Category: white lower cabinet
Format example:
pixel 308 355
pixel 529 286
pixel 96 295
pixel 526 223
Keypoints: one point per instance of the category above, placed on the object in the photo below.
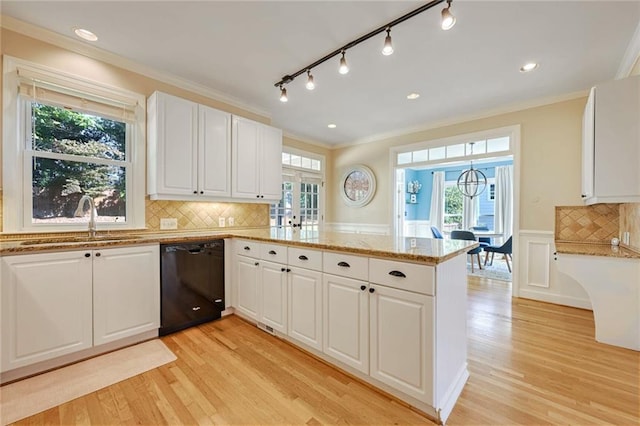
pixel 346 321
pixel 46 306
pixel 272 295
pixel 401 346
pixel 305 306
pixel 55 304
pixel 126 295
pixel 246 286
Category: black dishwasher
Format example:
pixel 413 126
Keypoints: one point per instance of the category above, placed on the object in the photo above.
pixel 192 284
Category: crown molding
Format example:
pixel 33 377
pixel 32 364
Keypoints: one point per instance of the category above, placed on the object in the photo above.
pixel 303 139
pixel 520 106
pixel 631 55
pixel 83 48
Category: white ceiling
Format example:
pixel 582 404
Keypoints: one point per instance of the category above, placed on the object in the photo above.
pixel 242 48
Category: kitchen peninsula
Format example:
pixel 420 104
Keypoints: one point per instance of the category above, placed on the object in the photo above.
pixel 389 311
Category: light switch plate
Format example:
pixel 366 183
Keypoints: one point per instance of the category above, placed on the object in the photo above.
pixel 221 221
pixel 230 221
pixel 168 223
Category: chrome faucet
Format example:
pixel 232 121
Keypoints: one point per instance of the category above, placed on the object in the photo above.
pixel 92 216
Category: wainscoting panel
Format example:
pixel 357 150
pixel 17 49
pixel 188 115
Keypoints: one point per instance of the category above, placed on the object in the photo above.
pixel 358 228
pixel 539 278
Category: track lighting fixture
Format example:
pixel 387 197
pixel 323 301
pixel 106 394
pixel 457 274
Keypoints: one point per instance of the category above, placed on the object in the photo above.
pixel 310 84
pixel 388 46
pixel 448 21
pixel 344 68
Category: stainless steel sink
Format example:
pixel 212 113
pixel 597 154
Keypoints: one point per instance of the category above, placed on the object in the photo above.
pixel 78 239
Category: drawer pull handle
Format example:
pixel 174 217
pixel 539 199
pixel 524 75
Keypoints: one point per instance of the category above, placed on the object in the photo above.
pixel 363 287
pixel 303 257
pixel 256 264
pixel 247 248
pixel 283 269
pixel 272 252
pixel 344 264
pixel 397 274
pixel 195 308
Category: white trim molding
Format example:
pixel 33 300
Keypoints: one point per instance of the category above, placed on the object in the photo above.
pixel 358 228
pixel 631 55
pixel 539 278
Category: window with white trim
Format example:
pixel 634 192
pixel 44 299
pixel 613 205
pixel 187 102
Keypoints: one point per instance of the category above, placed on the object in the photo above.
pixel 73 138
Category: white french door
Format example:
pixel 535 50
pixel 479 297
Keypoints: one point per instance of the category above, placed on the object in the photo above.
pixel 299 209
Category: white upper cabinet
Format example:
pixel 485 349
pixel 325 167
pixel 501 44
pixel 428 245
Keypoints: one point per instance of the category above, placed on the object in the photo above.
pixel 611 143
pixel 188 149
pixel 257 161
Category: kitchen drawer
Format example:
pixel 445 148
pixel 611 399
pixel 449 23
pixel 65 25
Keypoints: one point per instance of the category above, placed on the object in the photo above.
pixel 247 248
pixel 346 265
pixel 273 252
pixel 403 276
pixel 305 258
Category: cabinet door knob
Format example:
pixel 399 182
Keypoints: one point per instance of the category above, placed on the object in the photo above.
pixel 256 264
pixel 363 287
pixel 87 255
pixel 371 290
pixel 283 269
pixel 398 274
pixel 195 192
pixel 344 264
pixel 288 270
pixel 202 192
pixel 262 196
pixel 257 196
pixel 98 254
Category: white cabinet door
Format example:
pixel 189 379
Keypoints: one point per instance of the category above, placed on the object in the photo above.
pixel 173 143
pixel 588 147
pixel 346 321
pixel 270 163
pixel 46 306
pixel 402 325
pixel 257 160
pixel 214 152
pixel 126 292
pixel 305 306
pixel 246 286
pixel 245 172
pixel 272 295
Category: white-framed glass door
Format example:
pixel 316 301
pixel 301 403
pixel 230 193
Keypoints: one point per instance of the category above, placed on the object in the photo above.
pixel 299 210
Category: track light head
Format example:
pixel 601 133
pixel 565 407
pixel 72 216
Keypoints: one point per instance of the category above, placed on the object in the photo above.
pixel 448 20
pixel 388 46
pixel 344 68
pixel 283 94
pixel 310 83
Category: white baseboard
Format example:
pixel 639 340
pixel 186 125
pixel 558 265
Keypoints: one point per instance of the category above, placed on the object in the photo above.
pixel 558 299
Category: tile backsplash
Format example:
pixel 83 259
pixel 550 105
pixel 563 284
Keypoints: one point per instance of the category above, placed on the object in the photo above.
pixel 598 223
pixel 193 215
pixel 630 222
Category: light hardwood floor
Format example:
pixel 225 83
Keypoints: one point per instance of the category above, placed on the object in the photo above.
pixel 530 363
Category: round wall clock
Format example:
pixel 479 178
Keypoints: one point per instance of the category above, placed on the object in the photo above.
pixel 358 186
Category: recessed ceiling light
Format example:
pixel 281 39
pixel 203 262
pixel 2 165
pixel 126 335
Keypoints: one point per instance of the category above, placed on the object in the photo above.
pixel 413 96
pixel 85 34
pixel 331 126
pixel 528 67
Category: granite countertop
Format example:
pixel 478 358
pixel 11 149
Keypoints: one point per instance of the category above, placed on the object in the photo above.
pixel 426 250
pixel 595 249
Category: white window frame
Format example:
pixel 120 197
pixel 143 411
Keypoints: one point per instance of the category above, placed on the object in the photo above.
pixel 16 175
